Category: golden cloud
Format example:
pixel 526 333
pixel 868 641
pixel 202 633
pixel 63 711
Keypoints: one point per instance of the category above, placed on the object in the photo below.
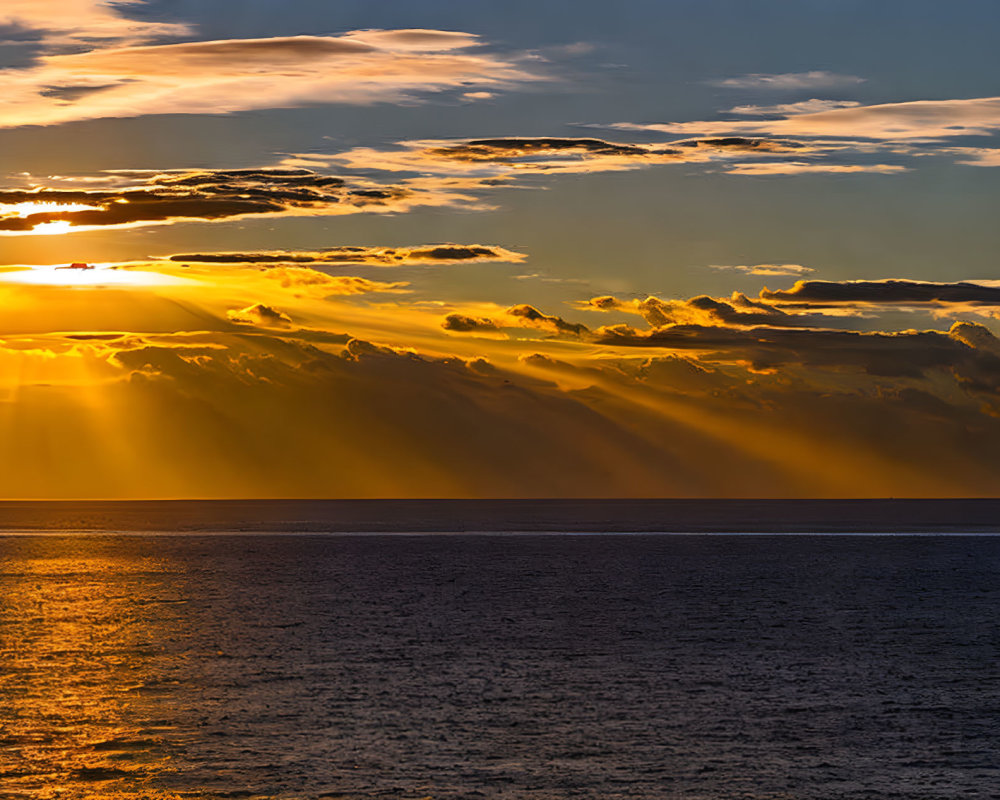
pixel 224 76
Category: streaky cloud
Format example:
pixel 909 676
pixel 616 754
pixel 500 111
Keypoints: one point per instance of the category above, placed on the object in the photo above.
pixel 814 79
pixel 379 256
pixel 231 75
pixel 911 120
pixel 765 269
pixel 143 197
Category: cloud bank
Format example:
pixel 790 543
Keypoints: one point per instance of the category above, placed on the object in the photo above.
pixel 282 381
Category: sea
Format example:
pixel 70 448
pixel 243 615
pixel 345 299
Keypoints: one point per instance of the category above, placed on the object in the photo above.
pixel 217 651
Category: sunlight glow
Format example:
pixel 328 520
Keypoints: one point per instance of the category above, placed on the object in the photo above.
pixel 26 209
pixel 89 276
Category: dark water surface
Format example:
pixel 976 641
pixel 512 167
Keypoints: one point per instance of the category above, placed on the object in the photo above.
pixel 522 666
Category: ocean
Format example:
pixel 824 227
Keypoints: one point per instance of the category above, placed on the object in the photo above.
pixel 499 665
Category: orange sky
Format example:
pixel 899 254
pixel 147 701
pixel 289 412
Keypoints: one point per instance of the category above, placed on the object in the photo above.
pixel 411 310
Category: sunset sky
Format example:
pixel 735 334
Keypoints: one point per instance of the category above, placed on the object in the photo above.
pixel 444 248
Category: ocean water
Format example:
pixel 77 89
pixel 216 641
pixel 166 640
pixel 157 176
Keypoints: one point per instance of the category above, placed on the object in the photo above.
pixel 508 666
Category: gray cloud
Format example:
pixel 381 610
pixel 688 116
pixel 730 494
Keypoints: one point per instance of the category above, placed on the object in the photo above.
pixel 820 294
pixel 368 255
pixel 529 315
pixel 205 195
pixel 905 353
pixel 462 323
pixel 815 79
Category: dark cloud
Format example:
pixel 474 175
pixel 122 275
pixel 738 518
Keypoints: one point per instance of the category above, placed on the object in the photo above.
pixel 196 195
pixel 518 147
pixel 905 353
pixel 461 323
pixel 605 303
pixel 14 33
pixel 534 318
pixel 371 255
pixel 254 410
pixel 743 144
pixel 883 292
pixel 740 310
pixel 260 314
pixel 70 93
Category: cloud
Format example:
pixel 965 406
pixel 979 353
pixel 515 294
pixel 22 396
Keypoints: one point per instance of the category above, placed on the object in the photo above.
pixel 529 316
pixel 804 167
pixel 790 109
pixel 462 323
pixel 315 282
pixel 811 304
pixel 368 255
pixel 815 79
pixel 977 156
pixel 57 24
pixel 605 302
pixel 917 119
pixel 224 76
pixel 764 269
pixel 905 353
pixel 511 157
pixel 738 310
pixel 138 198
pixel 263 382
pixel 260 314
pixel 889 292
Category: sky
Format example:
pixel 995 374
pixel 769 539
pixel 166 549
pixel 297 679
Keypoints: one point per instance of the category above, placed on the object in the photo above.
pixel 665 248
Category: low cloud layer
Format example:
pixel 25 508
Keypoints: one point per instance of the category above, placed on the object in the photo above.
pixel 283 380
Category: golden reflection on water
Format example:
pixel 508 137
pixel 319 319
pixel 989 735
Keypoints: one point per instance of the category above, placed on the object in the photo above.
pixel 82 710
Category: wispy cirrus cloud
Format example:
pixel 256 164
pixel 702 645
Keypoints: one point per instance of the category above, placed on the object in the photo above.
pixel 977 156
pixel 764 269
pixel 811 167
pixel 61 24
pixel 230 75
pixel 917 119
pixel 788 109
pixel 814 79
pixel 848 130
